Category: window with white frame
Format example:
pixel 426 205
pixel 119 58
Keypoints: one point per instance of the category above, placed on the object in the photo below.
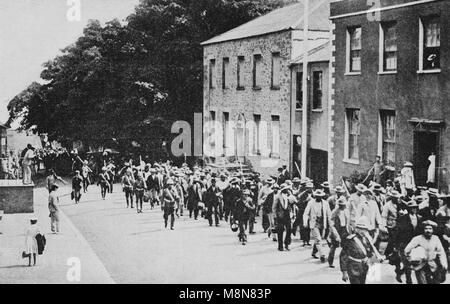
pixel 225 72
pixel 275 142
pixel 353 132
pixel 227 133
pixel 257 71
pixel 212 73
pixel 387 123
pixel 276 70
pixel 430 43
pixel 354 49
pixel 256 134
pixel 389 48
pixel 240 72
pixel 212 117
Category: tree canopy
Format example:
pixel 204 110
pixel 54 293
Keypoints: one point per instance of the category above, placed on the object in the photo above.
pixel 129 82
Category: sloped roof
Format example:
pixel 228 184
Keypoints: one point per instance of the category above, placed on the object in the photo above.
pixel 318 50
pixel 285 18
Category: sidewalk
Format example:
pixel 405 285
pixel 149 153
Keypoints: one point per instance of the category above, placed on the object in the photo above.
pixel 54 265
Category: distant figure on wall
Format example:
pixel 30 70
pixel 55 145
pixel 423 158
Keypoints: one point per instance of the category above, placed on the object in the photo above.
pixel 431 173
pixel 26 164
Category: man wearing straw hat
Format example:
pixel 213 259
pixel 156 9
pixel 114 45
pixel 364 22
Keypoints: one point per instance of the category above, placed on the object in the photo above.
pixel 389 217
pixel 317 217
pixel 339 192
pixel 268 210
pixel 170 199
pixel 427 267
pixel 355 254
pixel 282 216
pixel 339 227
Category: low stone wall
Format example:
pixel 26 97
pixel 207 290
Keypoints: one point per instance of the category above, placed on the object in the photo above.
pixel 15 197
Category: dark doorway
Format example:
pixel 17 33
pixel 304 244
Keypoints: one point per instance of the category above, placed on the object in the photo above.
pixel 425 142
pixel 318 166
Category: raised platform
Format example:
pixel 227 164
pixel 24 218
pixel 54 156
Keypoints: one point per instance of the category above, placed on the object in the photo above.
pixel 15 197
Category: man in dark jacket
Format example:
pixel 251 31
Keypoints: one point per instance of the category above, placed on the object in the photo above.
pixel 408 226
pixel 212 202
pixel 281 213
pixel 241 214
pixel 230 196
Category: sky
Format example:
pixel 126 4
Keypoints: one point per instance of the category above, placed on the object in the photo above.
pixel 33 32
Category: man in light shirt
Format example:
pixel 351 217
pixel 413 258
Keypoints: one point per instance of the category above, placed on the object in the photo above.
pixel 427 267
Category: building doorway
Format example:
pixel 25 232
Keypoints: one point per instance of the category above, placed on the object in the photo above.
pixel 297 156
pixel 318 165
pixel 425 143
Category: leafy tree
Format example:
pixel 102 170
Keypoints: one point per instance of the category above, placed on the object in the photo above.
pixel 127 83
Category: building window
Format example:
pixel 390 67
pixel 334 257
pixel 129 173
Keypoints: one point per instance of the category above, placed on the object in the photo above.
pixel 240 72
pixel 299 91
pixel 226 133
pixel 225 72
pixel 317 90
pixel 276 70
pixel 212 73
pixel 353 132
pixel 388 135
pixel 275 142
pixel 430 43
pixel 389 44
pixel 354 49
pixel 256 134
pixel 257 72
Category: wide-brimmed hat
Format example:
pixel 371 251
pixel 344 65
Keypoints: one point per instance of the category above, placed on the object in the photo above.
pixel 339 189
pixel 269 181
pixel 412 204
pixel 319 193
pixel 361 187
pixel 408 164
pixel 363 223
pixel 429 223
pixel 341 201
pixel 285 187
pixel 394 193
pixel 234 180
pixel 368 191
pixel 304 181
pixel 296 180
pixel 169 182
pixel 309 185
pixel 433 191
pixel 325 185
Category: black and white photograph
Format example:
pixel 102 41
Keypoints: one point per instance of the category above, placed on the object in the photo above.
pixel 247 143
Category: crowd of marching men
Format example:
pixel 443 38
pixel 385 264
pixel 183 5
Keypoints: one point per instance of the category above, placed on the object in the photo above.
pixel 414 224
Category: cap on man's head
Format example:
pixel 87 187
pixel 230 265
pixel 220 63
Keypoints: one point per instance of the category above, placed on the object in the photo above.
pixel 429 223
pixel 361 188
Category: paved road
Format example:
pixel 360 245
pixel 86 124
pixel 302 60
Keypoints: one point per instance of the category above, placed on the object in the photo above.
pixel 135 248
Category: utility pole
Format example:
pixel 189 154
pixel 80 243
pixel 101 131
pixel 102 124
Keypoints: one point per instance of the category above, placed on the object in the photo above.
pixel 304 147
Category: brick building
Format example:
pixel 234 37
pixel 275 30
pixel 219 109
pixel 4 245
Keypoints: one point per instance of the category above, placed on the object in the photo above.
pixel 391 69
pixel 248 85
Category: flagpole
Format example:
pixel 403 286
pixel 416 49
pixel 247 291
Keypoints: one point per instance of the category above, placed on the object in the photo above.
pixel 304 147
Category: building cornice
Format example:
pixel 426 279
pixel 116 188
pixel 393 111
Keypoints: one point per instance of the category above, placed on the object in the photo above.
pixel 386 8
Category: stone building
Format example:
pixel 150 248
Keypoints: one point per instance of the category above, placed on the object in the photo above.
pixel 391 69
pixel 248 86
